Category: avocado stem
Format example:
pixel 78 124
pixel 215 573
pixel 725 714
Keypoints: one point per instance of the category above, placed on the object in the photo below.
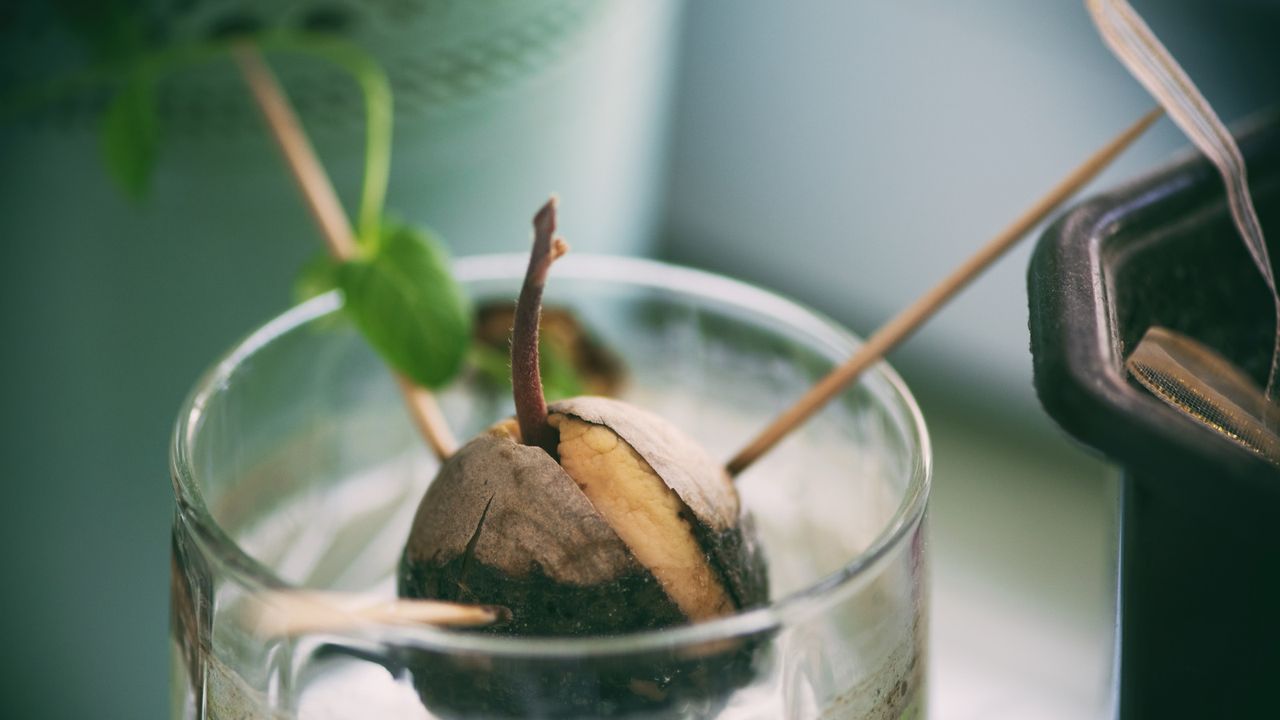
pixel 526 377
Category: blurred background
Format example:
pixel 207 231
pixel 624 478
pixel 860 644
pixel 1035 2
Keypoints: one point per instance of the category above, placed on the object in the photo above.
pixel 845 154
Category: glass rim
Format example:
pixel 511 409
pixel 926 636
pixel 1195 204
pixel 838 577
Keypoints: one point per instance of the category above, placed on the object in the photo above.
pixel 789 609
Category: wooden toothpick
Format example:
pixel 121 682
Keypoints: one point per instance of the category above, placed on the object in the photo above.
pixel 325 208
pixel 283 613
pixel 427 417
pixel 906 322
pixel 322 201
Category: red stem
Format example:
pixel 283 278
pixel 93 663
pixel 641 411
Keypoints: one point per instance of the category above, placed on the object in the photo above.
pixel 526 378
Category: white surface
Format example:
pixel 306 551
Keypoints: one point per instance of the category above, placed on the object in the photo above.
pixel 1023 553
pixel 361 690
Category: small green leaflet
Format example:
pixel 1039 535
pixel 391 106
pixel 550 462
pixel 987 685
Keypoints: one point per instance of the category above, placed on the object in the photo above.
pixel 560 378
pixel 491 363
pixel 130 134
pixel 408 305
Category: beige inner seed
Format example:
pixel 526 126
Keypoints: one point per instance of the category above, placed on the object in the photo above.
pixel 644 512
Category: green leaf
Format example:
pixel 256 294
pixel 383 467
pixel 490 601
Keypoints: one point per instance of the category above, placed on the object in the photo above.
pixel 130 134
pixel 318 276
pixel 408 305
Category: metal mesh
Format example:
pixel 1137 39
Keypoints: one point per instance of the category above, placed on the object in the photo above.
pixel 436 53
pixel 1201 384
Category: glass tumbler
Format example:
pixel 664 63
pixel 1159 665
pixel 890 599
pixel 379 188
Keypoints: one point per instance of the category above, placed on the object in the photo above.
pixel 297 469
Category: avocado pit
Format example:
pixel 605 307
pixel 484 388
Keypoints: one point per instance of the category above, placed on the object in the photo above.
pixel 587 517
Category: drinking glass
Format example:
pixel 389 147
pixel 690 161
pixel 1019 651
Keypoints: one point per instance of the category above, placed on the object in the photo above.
pixel 296 467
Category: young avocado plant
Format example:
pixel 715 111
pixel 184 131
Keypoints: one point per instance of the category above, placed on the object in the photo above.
pixel 588 517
